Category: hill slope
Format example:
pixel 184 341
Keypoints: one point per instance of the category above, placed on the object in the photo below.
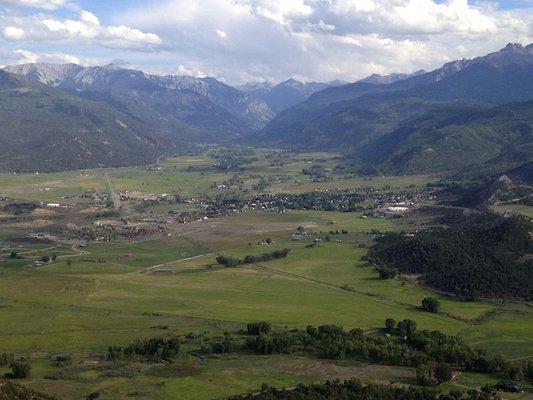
pixel 452 136
pixel 46 129
pixel 353 116
pixel 199 105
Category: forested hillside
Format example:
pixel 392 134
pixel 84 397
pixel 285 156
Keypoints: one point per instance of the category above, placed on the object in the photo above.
pixel 482 255
pixel 452 136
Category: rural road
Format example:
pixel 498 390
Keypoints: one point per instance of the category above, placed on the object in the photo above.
pixel 155 267
pixel 114 195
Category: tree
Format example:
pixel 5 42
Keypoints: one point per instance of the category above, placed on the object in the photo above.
pixel 431 304
pixel 432 373
pixel 443 372
pixel 406 327
pixel 13 254
pixel 424 374
pixel 256 328
pixel 390 324
pixel 45 259
pixel 20 370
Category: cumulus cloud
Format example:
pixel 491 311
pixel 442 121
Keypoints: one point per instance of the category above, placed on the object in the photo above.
pixel 190 71
pixel 14 33
pixel 85 27
pixel 25 57
pixel 243 40
pixel 327 39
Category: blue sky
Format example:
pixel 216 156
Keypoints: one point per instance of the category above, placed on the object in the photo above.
pixel 255 40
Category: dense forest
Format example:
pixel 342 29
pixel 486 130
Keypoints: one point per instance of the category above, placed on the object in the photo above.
pixel 476 256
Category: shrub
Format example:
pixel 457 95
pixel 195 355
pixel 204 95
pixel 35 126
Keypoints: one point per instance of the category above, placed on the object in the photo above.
pixel 390 324
pixel 20 370
pixel 256 328
pixel 431 304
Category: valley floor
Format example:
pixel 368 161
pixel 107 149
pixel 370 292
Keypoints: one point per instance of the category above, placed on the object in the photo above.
pixel 101 294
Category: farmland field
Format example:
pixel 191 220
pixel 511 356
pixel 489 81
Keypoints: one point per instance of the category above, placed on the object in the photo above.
pixel 100 293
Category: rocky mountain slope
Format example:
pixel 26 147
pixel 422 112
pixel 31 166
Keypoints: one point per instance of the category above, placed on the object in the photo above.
pixel 194 101
pixel 285 94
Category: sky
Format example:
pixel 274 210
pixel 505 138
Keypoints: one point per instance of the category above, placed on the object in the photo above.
pixel 240 41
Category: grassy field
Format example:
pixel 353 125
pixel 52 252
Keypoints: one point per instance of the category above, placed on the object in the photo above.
pixel 173 175
pixel 107 294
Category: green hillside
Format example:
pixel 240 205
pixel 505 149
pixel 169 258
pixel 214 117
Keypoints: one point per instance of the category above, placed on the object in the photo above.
pixel 44 129
pixel 453 137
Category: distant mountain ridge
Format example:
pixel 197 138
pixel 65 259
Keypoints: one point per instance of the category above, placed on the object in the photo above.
pixel 135 89
pixel 285 94
pixel 391 78
pixel 467 111
pixel 254 104
pixel 45 129
pixel 359 118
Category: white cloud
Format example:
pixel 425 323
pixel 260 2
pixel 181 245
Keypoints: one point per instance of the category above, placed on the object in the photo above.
pixel 14 33
pixel 240 40
pixel 221 34
pixel 89 18
pixel 45 4
pixel 183 70
pixel 326 39
pixel 25 57
pixel 85 28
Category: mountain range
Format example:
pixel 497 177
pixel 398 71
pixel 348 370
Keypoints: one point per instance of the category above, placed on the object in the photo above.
pixel 428 122
pixel 44 128
pixel 467 111
pixel 286 94
pixel 156 115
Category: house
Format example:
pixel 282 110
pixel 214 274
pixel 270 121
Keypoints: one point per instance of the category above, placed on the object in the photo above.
pixel 397 209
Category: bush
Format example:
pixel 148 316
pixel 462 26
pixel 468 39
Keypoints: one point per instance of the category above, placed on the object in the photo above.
pixel 228 261
pixel 6 359
pixel 20 370
pixel 390 324
pixel 387 273
pixel 431 304
pixel 152 349
pixel 256 328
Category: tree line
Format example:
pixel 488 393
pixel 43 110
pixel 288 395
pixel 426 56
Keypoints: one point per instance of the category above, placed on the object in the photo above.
pixel 433 353
pixel 151 349
pixel 229 261
pixel 355 390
